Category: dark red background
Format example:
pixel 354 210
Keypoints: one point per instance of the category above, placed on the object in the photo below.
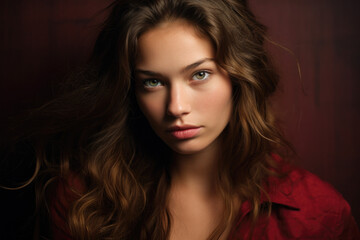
pixel 41 41
pixel 320 111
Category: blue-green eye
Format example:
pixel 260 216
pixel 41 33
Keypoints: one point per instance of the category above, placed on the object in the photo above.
pixel 150 83
pixel 202 75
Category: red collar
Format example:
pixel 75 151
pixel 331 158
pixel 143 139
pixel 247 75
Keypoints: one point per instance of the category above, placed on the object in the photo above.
pixel 279 191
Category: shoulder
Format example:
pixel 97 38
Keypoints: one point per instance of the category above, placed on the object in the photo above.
pixel 66 190
pixel 63 194
pixel 316 205
pixel 305 187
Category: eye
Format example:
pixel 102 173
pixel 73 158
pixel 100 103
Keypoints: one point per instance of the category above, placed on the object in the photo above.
pixel 151 83
pixel 201 75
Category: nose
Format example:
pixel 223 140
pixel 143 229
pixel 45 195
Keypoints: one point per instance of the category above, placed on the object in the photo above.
pixel 178 103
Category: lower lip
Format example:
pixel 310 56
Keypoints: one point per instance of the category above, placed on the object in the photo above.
pixel 186 133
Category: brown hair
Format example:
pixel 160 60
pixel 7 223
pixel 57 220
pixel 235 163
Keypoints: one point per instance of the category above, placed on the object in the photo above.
pixel 97 131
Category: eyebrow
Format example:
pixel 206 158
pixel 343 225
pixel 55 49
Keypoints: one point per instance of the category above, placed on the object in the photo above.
pixel 187 68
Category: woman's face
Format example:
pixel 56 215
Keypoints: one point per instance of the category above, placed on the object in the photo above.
pixel 184 95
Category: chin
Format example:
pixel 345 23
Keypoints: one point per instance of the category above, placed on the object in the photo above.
pixel 188 148
pixel 185 151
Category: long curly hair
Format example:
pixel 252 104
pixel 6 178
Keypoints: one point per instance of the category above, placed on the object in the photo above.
pixel 96 131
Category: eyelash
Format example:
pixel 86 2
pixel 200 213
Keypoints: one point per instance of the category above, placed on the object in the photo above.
pixel 207 75
pixel 146 82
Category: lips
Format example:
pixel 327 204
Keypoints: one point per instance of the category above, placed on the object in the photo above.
pixel 184 131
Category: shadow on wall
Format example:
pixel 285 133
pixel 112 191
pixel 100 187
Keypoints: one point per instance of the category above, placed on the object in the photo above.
pixel 41 42
pixel 320 111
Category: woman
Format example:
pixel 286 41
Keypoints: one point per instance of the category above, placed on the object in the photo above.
pixel 168 134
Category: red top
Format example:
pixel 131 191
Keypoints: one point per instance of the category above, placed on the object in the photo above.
pixel 303 207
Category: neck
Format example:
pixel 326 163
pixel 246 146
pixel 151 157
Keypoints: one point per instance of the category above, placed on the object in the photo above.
pixel 197 172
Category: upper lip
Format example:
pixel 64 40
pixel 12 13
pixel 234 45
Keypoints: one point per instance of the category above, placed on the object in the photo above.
pixel 181 127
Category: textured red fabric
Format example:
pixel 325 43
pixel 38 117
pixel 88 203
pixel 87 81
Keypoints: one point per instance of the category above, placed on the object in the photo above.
pixel 65 194
pixel 303 207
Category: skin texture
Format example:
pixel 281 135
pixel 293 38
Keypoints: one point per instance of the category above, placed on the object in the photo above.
pixel 174 94
pixel 179 84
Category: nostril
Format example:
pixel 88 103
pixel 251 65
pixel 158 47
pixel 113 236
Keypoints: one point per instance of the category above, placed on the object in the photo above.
pixel 178 109
pixel 178 102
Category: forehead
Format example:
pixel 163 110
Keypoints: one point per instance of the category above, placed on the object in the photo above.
pixel 172 43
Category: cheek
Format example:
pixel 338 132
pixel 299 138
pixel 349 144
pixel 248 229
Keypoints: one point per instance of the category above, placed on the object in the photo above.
pixel 219 104
pixel 151 107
